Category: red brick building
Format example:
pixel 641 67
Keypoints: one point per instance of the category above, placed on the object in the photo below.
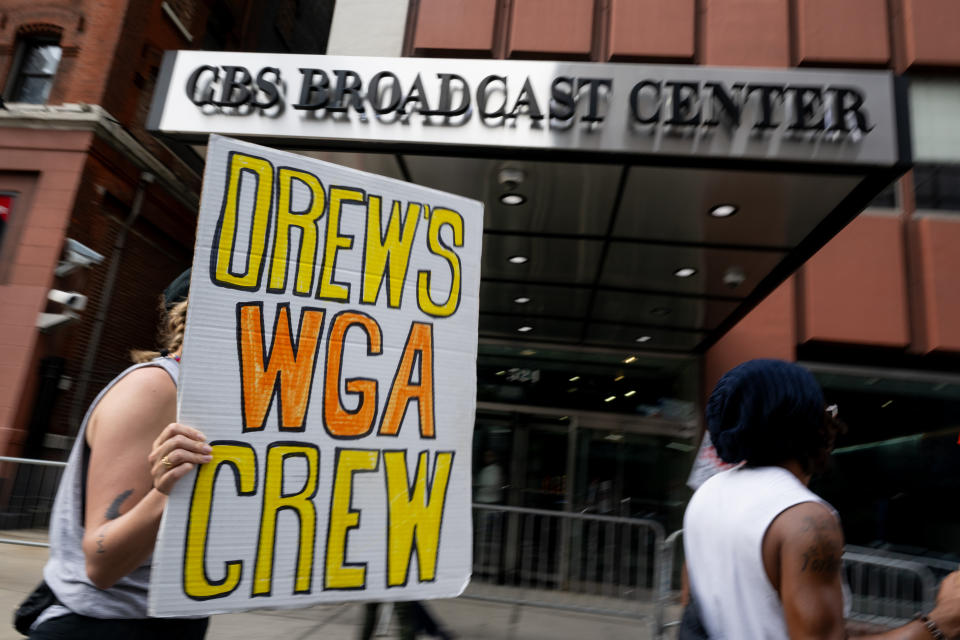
pixel 76 163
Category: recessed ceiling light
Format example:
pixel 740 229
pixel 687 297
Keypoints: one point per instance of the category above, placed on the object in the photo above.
pixel 528 352
pixel 501 373
pixel 644 338
pixel 525 328
pixel 521 300
pixel 613 437
pixel 629 359
pixel 564 417
pixel 574 378
pixel 618 378
pixel 630 393
pixel 513 199
pixel 660 311
pixel 685 272
pixel 610 398
pixel 723 210
pixel 517 259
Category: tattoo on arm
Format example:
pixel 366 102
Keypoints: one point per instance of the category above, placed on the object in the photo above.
pixel 823 554
pixel 113 511
pixel 101 536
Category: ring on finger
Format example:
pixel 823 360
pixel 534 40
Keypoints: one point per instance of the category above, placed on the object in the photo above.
pixel 165 461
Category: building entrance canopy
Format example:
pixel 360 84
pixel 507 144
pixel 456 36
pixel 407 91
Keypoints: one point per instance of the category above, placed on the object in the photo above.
pixel 639 207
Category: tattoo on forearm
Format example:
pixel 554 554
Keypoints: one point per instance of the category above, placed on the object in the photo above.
pixel 113 511
pixel 823 555
pixel 101 536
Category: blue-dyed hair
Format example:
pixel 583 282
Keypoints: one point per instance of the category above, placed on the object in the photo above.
pixel 766 412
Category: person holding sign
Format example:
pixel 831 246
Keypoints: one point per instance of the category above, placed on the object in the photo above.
pixel 128 454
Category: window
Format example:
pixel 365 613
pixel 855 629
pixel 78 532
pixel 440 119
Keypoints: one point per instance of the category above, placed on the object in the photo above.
pixel 937 186
pixel 36 67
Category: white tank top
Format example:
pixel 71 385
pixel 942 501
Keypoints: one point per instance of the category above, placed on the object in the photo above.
pixel 66 571
pixel 723 530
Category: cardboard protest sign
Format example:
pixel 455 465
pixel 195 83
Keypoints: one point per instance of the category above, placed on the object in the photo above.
pixel 330 359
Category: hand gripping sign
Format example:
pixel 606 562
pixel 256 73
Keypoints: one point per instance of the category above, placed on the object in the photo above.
pixel 330 359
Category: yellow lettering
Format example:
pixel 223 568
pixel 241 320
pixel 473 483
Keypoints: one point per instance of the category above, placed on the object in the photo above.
pixel 306 221
pixel 329 289
pixel 414 514
pixel 438 219
pixel 274 500
pixel 226 240
pixel 196 583
pixel 392 248
pixel 339 573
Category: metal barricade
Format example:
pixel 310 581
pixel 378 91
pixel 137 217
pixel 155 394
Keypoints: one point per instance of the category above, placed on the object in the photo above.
pixel 884 589
pixel 570 561
pixel 27 490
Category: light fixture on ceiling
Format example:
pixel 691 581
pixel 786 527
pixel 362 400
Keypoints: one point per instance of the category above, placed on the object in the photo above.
pixel 511 179
pixel 629 359
pixel 521 299
pixel 613 437
pixel 528 352
pixel 618 378
pixel 723 210
pixel 886 404
pixel 517 259
pixel 574 378
pixel 629 393
pixel 610 398
pixel 501 372
pixel 643 339
pixel 685 272
pixel 512 199
pixel 660 311
pixel 525 329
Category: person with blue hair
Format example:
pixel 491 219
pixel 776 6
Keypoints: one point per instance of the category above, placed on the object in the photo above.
pixel 763 552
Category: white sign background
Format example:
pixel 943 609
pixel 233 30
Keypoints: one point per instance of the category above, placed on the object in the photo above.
pixel 210 398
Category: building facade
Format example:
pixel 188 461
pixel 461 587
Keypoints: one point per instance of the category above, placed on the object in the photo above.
pixel 595 407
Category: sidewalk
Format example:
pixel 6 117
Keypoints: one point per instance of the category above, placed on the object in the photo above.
pixel 20 569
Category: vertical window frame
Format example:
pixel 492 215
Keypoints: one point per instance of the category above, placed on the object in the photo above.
pixel 25 43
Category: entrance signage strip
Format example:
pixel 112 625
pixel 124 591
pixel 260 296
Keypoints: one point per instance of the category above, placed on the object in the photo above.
pixel 815 116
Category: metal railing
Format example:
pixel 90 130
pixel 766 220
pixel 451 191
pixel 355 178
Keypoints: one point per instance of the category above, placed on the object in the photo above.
pixel 571 561
pixel 27 490
pixel 885 589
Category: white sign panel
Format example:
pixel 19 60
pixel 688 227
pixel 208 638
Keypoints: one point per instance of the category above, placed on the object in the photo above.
pixel 330 359
pixel 415 104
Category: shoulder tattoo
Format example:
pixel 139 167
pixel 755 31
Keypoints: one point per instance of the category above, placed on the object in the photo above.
pixel 823 551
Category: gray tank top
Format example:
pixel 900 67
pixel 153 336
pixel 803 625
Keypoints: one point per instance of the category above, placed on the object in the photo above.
pixel 66 571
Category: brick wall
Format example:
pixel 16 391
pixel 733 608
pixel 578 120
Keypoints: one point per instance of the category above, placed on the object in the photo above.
pixel 752 33
pixel 51 162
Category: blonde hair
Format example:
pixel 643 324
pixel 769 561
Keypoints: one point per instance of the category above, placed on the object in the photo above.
pixel 170 336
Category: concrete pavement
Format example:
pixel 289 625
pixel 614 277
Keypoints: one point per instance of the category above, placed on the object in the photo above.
pixel 469 619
